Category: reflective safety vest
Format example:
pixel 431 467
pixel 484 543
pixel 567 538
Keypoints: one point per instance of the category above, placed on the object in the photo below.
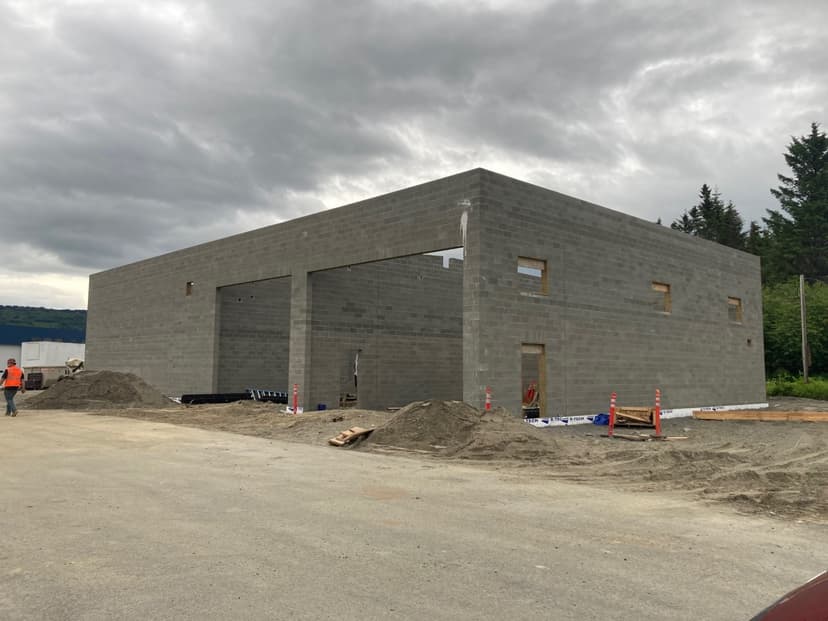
pixel 14 377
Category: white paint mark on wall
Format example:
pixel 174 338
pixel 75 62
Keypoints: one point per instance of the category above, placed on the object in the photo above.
pixel 464 223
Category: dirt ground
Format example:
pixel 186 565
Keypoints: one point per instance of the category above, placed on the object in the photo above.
pixel 778 469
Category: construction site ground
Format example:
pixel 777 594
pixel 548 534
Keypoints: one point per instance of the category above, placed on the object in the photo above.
pixel 775 468
pixel 444 512
pixel 107 517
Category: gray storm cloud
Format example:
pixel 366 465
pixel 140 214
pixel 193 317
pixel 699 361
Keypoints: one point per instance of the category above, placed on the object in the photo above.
pixel 128 130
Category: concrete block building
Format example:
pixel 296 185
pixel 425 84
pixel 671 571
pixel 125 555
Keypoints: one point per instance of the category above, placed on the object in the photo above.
pixel 351 304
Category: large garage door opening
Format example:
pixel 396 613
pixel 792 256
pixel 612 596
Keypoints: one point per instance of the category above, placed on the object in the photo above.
pixel 253 336
pixel 387 333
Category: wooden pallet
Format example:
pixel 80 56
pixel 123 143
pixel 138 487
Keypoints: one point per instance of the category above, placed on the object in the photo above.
pixel 762 415
pixel 634 417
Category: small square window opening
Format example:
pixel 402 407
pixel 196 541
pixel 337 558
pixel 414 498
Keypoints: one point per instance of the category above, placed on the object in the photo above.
pixel 734 309
pixel 534 275
pixel 664 301
pixel 188 288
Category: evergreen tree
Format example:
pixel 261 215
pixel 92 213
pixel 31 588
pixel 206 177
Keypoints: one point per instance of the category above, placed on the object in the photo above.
pixel 730 228
pixel 713 220
pixel 684 224
pixel 756 241
pixel 798 233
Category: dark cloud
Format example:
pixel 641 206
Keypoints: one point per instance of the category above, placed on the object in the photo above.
pixel 131 129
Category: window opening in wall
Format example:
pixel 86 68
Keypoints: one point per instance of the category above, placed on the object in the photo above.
pixel 448 255
pixel 188 288
pixel 535 275
pixel 734 309
pixel 664 302
pixel 533 380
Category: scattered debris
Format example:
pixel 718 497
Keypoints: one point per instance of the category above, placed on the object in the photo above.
pixel 347 400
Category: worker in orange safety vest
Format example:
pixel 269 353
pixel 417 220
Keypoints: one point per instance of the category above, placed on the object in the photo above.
pixel 12 381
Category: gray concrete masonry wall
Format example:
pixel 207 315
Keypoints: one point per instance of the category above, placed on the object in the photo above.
pixel 598 322
pixel 141 321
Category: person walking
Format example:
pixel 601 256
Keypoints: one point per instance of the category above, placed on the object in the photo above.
pixel 12 381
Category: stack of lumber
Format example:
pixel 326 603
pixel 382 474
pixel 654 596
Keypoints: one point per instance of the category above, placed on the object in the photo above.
pixel 762 415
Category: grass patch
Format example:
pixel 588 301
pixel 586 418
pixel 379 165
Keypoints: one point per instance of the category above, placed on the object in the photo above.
pixel 789 386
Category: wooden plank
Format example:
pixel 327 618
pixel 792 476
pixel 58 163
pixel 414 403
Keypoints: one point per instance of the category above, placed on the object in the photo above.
pixel 349 435
pixel 643 438
pixel 626 436
pixel 762 415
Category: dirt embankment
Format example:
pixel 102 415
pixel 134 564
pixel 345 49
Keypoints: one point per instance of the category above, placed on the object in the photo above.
pixel 774 468
pixel 98 390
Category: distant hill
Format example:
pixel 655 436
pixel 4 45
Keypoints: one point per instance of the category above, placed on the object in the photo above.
pixel 34 317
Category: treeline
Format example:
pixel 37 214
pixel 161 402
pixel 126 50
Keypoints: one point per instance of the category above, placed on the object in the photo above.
pixel 39 317
pixel 791 240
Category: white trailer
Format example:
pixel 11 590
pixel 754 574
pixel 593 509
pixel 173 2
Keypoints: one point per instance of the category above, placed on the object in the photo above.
pixel 49 358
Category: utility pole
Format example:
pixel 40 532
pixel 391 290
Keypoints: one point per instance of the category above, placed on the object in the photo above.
pixel 803 321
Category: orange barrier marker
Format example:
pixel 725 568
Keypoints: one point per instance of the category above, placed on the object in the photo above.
pixel 295 398
pixel 613 397
pixel 657 413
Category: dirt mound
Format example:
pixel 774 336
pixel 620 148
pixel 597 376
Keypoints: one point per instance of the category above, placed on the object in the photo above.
pixel 99 390
pixel 429 426
pixel 456 429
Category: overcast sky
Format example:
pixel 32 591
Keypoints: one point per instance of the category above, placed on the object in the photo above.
pixel 129 129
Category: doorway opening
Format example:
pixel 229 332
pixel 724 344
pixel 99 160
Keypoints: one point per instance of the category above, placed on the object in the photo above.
pixel 533 380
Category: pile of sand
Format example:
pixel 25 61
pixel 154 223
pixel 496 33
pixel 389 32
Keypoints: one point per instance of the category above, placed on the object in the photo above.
pixel 500 435
pixel 99 390
pixel 456 429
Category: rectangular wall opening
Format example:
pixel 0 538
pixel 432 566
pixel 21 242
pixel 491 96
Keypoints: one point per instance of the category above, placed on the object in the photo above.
pixel 734 310
pixel 386 333
pixel 254 336
pixel 533 275
pixel 533 380
pixel 662 297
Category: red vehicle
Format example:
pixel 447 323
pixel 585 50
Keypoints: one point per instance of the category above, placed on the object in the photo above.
pixel 806 603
